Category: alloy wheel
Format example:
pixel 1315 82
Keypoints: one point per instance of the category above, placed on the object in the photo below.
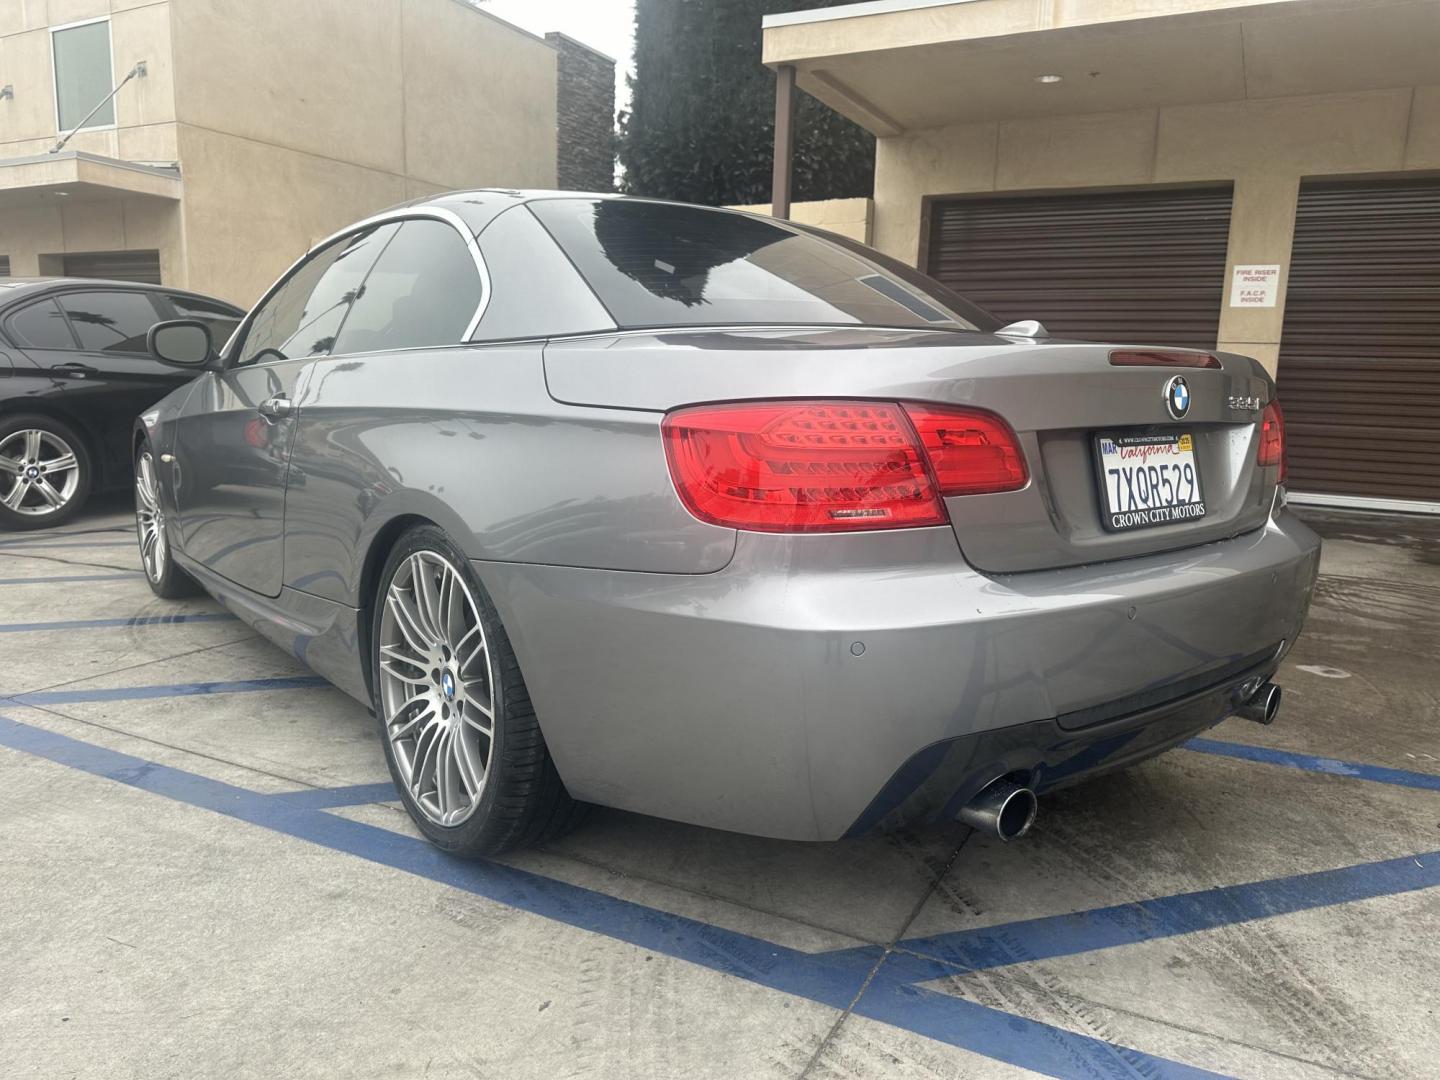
pixel 42 471
pixel 150 519
pixel 436 687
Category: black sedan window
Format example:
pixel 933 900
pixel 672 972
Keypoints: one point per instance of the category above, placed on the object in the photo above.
pixel 660 264
pixel 112 322
pixel 41 326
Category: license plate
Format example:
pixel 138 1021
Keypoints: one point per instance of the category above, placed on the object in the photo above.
pixel 1148 479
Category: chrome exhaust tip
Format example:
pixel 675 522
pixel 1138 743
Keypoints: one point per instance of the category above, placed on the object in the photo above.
pixel 1002 809
pixel 1262 706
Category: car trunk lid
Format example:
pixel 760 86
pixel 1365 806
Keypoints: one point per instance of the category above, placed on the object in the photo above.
pixel 1058 396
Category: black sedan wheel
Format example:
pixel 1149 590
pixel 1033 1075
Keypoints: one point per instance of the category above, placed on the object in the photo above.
pixel 44 472
pixel 460 735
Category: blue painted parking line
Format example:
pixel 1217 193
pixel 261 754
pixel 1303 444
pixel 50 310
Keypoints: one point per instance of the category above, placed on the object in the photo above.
pixel 49 537
pixel 103 624
pixel 128 574
pixel 832 979
pixel 1078 932
pixel 21 546
pixel 330 798
pixel 142 693
pixel 1379 774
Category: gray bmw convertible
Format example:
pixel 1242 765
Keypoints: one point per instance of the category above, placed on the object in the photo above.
pixel 719 518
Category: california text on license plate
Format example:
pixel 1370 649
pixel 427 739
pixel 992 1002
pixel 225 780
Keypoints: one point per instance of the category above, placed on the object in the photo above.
pixel 1148 479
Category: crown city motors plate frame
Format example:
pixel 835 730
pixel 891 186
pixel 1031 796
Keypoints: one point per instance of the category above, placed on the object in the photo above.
pixel 1112 520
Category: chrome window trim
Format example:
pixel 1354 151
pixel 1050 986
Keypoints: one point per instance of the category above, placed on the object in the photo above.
pixel 385 217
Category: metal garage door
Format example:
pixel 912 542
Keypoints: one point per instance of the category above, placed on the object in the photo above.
pixel 4 265
pixel 119 265
pixel 1145 267
pixel 1360 351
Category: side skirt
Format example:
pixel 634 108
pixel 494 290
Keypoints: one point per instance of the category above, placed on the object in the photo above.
pixel 320 633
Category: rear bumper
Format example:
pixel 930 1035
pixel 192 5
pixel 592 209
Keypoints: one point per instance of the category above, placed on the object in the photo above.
pixel 793 693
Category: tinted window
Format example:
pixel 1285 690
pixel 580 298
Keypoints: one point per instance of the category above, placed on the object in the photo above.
pixel 303 317
pixel 423 291
pixel 221 319
pixel 41 326
pixel 657 264
pixel 110 321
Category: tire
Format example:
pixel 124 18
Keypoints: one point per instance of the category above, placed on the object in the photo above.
pixel 471 794
pixel 157 557
pixel 34 450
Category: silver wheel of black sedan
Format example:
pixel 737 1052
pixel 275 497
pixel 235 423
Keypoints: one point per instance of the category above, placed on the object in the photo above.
pixel 437 687
pixel 150 519
pixel 39 472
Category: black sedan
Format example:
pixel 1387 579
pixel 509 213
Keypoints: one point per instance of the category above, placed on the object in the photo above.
pixel 74 374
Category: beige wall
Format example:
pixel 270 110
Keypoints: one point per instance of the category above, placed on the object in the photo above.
pixel 289 120
pixel 1264 147
pixel 848 217
pixel 351 109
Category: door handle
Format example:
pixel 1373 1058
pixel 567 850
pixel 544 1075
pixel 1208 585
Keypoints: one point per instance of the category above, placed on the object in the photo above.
pixel 276 406
pixel 75 370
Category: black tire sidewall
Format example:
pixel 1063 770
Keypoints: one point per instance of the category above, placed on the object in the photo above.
pixel 473 833
pixel 41 422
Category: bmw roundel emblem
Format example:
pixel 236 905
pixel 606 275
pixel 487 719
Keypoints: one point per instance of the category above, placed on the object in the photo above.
pixel 1177 397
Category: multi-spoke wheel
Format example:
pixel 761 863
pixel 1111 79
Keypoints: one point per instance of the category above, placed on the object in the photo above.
pixel 437 687
pixel 460 735
pixel 44 472
pixel 166 579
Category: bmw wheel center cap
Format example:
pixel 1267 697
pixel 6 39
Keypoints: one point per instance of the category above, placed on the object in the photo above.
pixel 447 685
pixel 1177 397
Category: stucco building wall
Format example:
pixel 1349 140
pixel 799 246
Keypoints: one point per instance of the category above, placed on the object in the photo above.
pixel 288 120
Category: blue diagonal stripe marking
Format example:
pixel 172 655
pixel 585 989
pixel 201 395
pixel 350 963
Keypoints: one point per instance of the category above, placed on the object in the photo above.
pixel 1308 762
pixel 833 979
pixel 141 693
pixel 1170 916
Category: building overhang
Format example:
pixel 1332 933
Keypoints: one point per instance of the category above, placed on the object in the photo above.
pixel 75 176
pixel 903 65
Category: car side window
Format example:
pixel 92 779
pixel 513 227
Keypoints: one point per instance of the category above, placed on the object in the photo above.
pixel 41 326
pixel 220 319
pixel 110 322
pixel 303 316
pixel 424 290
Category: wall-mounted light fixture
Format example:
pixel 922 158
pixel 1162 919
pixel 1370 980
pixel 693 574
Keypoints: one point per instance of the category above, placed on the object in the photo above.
pixel 1049 79
pixel 7 91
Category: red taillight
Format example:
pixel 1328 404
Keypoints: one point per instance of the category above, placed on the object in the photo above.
pixel 1162 358
pixel 971 452
pixel 1272 439
pixel 833 466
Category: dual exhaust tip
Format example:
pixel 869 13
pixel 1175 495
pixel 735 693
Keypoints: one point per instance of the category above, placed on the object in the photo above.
pixel 1005 810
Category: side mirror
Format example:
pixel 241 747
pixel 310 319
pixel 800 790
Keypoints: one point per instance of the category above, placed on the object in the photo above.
pixel 181 343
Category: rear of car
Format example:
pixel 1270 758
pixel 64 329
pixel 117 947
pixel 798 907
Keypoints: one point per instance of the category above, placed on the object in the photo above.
pixel 958 556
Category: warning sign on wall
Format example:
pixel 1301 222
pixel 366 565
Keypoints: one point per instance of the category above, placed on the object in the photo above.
pixel 1255 285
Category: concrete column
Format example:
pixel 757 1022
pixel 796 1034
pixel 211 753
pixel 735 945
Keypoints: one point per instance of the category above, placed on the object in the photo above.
pixel 1262 229
pixel 781 179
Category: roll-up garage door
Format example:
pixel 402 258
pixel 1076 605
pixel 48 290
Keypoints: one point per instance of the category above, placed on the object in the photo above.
pixel 117 265
pixel 1142 267
pixel 1360 350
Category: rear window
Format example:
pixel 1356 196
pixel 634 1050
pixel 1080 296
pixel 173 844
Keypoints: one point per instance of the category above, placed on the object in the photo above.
pixel 659 264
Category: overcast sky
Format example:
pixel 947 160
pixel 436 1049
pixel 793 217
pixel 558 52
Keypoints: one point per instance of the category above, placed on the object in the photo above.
pixel 607 25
